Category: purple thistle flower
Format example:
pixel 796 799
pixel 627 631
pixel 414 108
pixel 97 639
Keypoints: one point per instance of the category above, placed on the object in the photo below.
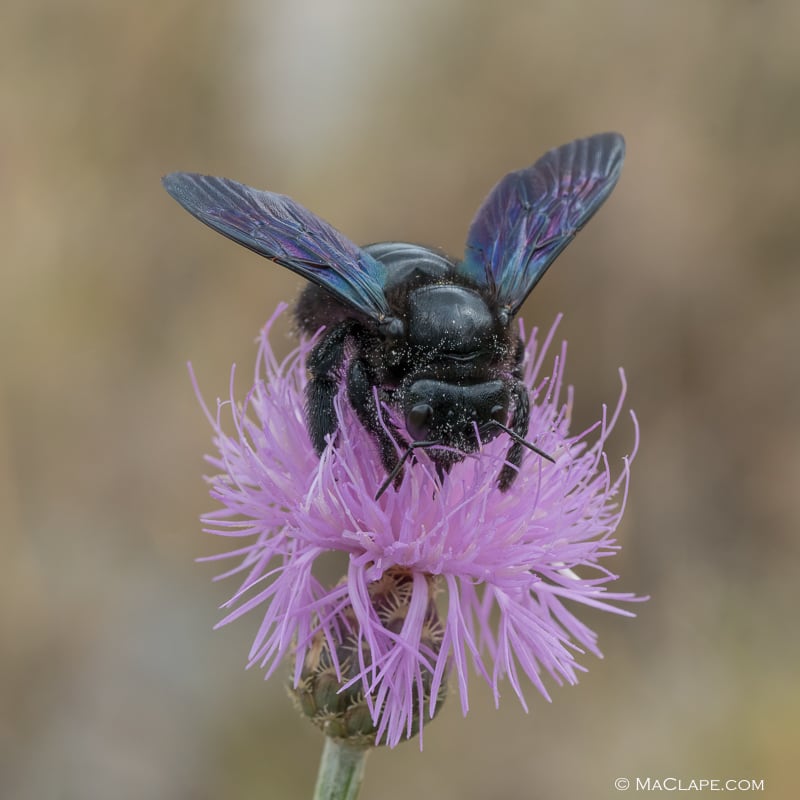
pixel 508 561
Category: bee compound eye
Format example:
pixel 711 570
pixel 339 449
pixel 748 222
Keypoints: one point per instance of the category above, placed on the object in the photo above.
pixel 498 414
pixel 418 420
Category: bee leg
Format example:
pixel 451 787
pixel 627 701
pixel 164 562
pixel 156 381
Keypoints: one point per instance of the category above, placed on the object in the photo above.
pixel 442 469
pixel 362 398
pixel 519 424
pixel 324 363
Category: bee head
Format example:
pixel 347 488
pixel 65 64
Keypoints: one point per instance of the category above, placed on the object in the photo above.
pixel 448 414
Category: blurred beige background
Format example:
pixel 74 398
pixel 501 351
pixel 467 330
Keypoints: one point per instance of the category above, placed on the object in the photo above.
pixel 392 120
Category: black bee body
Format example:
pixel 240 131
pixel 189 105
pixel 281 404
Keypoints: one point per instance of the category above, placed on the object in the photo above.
pixel 404 326
pixel 447 360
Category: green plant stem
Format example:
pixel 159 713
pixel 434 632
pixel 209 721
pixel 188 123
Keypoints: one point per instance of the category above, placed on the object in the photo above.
pixel 341 771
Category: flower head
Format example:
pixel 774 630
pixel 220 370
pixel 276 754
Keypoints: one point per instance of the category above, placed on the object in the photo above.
pixel 507 563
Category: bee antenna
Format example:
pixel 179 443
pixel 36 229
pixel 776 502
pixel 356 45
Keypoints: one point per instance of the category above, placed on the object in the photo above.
pixel 517 438
pixel 400 463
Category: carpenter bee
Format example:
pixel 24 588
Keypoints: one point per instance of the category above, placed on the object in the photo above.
pixel 405 326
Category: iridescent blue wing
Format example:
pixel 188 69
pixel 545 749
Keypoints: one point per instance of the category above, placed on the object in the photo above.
pixel 277 227
pixel 533 214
